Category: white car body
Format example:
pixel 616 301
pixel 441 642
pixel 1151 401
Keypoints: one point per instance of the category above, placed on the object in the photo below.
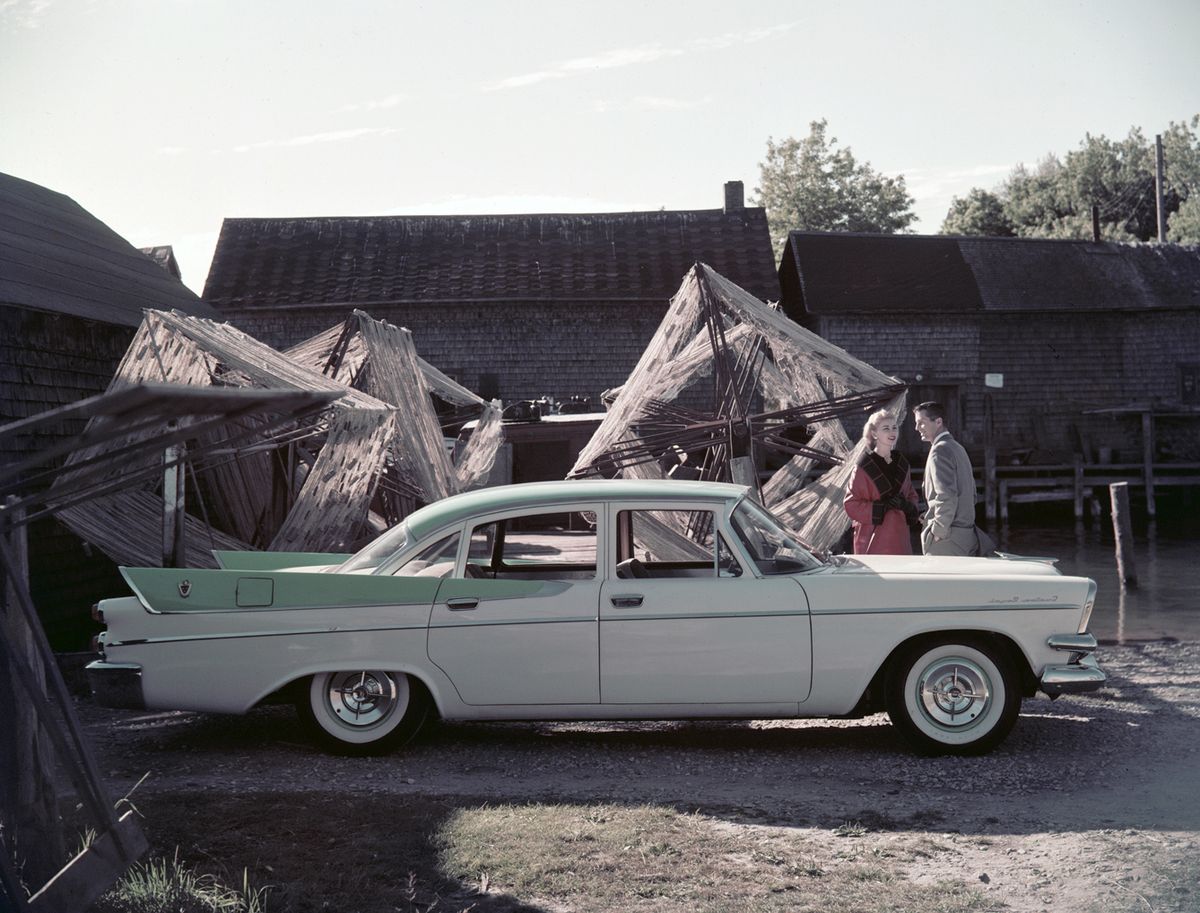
pixel 736 635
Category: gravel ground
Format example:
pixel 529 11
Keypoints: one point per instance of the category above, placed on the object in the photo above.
pixel 1091 804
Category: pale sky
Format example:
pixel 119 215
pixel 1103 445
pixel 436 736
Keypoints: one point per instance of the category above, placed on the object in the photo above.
pixel 162 117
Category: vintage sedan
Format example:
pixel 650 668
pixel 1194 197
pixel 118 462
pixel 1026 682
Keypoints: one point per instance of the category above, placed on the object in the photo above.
pixel 600 600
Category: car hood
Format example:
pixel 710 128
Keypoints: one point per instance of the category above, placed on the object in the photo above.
pixel 932 565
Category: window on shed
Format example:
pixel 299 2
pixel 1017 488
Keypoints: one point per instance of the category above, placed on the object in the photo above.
pixel 1189 384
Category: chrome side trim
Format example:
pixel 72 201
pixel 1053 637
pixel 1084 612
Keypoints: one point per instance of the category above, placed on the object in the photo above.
pixel 281 632
pixel 1085 675
pixel 991 607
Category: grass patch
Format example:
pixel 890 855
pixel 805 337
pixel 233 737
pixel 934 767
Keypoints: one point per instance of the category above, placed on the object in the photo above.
pixel 315 853
pixel 168 884
pixel 627 858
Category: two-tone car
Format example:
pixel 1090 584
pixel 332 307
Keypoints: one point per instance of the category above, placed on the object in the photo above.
pixel 600 600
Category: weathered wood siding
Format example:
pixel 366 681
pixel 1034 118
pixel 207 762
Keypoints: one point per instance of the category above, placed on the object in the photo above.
pixel 48 360
pixel 1056 365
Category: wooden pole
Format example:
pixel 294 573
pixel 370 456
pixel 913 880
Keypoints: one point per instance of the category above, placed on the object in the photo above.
pixel 26 760
pixel 173 507
pixel 989 462
pixel 1123 533
pixel 989 484
pixel 1078 488
pixel 1158 189
pixel 1148 461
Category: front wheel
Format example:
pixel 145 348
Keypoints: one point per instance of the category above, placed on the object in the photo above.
pixel 953 697
pixel 363 711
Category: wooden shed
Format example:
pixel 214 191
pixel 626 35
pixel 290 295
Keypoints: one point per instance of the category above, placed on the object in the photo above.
pixel 71 296
pixel 1040 334
pixel 514 307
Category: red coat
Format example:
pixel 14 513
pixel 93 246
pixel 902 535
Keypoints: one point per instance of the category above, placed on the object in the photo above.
pixel 890 537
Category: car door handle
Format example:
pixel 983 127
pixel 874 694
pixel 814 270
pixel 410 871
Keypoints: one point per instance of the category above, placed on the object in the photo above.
pixel 459 603
pixel 626 602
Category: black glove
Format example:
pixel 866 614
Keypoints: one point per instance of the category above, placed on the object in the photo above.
pixel 895 502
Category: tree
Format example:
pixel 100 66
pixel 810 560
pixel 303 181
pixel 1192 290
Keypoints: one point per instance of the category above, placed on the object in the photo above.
pixel 809 184
pixel 980 212
pixel 1181 152
pixel 1055 198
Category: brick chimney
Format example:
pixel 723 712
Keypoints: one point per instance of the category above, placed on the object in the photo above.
pixel 735 196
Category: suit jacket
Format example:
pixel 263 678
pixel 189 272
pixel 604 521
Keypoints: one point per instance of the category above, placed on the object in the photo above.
pixel 949 487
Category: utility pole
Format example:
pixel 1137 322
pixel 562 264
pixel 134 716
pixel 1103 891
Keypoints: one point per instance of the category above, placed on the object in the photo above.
pixel 1158 189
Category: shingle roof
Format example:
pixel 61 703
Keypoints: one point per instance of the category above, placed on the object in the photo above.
pixel 55 256
pixel 594 256
pixel 164 256
pixel 844 272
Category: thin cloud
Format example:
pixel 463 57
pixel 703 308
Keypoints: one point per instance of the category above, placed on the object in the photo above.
pixel 937 183
pixel 170 150
pixel 333 136
pixel 652 103
pixel 26 14
pixel 621 57
pixel 646 53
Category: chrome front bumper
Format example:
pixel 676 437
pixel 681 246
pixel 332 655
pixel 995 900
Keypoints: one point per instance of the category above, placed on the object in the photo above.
pixel 116 685
pixel 1080 673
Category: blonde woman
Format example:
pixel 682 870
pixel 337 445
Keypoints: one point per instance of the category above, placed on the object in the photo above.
pixel 880 499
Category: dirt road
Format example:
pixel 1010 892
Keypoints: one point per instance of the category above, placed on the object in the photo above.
pixel 1093 803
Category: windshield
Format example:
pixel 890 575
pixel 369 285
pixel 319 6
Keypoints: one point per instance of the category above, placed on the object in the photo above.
pixel 378 551
pixel 771 546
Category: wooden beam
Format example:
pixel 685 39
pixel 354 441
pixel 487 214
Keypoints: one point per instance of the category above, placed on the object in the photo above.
pixel 94 870
pixel 174 507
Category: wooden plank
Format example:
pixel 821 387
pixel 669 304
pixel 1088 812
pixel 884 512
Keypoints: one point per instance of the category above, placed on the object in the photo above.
pixel 126 527
pixel 1053 494
pixel 97 868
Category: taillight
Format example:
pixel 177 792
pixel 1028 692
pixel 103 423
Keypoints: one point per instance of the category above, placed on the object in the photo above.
pixel 1089 603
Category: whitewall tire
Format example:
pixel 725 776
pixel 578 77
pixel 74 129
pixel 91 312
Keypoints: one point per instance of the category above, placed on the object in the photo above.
pixel 953 697
pixel 363 711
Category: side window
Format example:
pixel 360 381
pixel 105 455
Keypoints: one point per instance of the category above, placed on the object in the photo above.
pixel 559 546
pixel 666 543
pixel 435 561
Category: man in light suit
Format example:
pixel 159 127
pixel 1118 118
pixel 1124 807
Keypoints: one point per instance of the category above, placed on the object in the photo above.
pixel 949 488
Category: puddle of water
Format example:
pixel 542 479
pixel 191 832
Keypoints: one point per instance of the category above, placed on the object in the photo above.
pixel 1166 601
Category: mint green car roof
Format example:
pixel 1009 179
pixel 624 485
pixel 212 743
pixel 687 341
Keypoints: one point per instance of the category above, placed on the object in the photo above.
pixel 457 508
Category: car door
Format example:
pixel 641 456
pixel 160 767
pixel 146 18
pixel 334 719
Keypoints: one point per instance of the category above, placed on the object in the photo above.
pixel 517 624
pixel 684 620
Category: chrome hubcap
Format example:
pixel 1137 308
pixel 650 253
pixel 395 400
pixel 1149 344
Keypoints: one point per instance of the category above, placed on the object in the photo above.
pixel 954 693
pixel 362 699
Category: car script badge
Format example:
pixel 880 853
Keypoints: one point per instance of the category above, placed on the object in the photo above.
pixel 185 588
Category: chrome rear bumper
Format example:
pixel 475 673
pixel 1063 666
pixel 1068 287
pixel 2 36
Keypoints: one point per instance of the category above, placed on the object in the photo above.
pixel 116 684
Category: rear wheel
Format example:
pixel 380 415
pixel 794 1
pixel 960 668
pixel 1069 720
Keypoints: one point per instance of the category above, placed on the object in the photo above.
pixel 364 711
pixel 957 697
